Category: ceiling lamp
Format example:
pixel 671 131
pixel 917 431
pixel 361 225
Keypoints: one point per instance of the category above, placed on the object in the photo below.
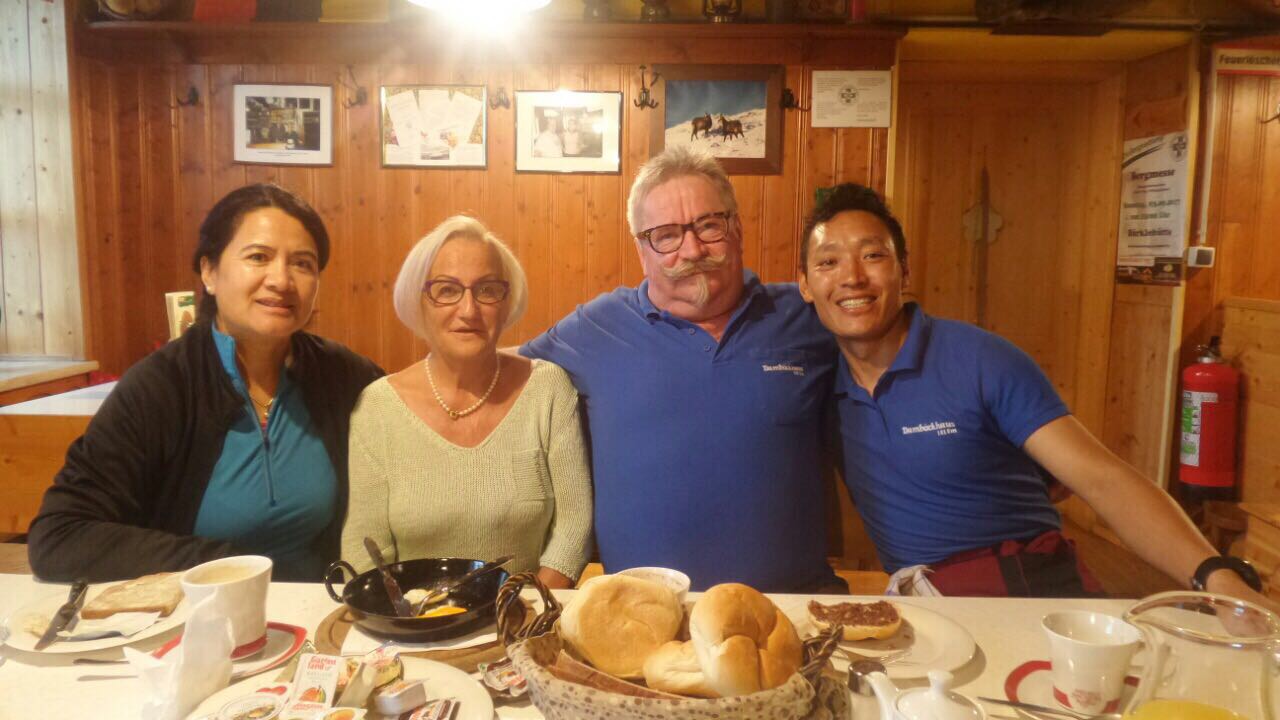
pixel 492 18
pixel 450 7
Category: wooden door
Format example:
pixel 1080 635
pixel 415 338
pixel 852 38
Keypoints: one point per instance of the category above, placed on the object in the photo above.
pixel 1037 143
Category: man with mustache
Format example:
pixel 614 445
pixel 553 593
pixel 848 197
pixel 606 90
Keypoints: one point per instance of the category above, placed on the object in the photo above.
pixel 703 390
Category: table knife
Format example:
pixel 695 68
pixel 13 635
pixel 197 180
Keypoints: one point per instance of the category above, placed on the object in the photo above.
pixel 65 614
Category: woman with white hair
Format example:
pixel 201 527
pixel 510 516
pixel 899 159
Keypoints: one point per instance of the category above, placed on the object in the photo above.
pixel 469 452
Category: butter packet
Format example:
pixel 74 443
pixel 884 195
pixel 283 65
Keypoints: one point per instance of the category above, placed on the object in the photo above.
pixel 442 709
pixel 502 677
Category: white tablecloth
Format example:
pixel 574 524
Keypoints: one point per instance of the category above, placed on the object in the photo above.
pixel 1007 631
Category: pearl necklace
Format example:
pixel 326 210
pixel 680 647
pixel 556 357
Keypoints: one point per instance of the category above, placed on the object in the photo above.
pixel 455 414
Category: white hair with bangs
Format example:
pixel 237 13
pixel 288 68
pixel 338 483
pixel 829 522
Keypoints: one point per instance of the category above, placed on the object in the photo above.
pixel 413 273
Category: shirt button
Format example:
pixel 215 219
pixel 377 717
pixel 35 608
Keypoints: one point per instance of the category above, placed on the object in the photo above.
pixel 707 348
pixel 689 330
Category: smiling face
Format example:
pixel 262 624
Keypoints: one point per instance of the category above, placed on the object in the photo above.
pixel 697 281
pixel 266 279
pixel 467 328
pixel 854 279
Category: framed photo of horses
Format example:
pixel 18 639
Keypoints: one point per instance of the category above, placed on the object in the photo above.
pixel 732 111
pixel 568 131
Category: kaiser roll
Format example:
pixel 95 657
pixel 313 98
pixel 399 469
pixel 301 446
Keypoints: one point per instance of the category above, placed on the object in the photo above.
pixel 674 668
pixel 614 622
pixel 743 642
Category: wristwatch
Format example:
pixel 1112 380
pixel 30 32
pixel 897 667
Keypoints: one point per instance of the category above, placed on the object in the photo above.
pixel 1234 564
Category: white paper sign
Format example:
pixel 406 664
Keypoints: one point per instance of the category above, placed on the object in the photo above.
pixel 852 98
pixel 1153 209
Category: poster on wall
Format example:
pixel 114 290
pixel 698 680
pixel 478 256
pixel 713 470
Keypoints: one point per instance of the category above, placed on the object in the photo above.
pixel 433 126
pixel 1229 60
pixel 568 131
pixel 851 98
pixel 733 112
pixel 283 124
pixel 1153 210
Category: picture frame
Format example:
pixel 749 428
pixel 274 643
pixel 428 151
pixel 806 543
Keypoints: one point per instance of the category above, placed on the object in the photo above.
pixel 736 108
pixel 568 131
pixel 282 124
pixel 822 10
pixel 450 123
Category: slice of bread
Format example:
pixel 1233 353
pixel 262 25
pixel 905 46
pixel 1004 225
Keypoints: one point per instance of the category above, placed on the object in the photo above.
pixel 150 593
pixel 860 621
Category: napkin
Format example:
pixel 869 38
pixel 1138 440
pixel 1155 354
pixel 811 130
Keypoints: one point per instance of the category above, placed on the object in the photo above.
pixel 912 581
pixel 196 669
pixel 123 624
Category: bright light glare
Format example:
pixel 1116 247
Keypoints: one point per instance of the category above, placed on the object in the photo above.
pixel 487 17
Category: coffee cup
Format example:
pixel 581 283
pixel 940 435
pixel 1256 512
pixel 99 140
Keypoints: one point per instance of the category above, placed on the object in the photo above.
pixel 1090 654
pixel 239 585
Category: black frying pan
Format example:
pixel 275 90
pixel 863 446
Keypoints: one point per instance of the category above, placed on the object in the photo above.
pixel 366 598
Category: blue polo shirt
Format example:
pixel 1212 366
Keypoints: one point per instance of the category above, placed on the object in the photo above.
pixel 705 455
pixel 934 459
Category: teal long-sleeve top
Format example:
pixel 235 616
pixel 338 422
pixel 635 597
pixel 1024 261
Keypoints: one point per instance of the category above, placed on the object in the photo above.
pixel 273 489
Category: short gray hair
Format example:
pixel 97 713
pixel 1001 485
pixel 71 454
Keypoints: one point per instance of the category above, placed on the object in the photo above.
pixel 674 162
pixel 413 273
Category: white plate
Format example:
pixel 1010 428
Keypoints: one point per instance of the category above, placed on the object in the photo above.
pixel 440 681
pixel 47 606
pixel 935 642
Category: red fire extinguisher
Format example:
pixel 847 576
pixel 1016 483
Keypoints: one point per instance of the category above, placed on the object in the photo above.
pixel 1210 399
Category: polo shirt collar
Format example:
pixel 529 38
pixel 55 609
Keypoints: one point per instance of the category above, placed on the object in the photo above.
pixel 910 356
pixel 751 289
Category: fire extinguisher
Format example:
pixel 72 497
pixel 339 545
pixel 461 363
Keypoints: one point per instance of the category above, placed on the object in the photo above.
pixel 1210 400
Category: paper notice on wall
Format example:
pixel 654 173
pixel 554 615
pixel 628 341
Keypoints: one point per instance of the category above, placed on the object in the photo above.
pixel 1153 210
pixel 1246 61
pixel 852 98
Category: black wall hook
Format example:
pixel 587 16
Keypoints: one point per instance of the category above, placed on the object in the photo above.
pixel 362 95
pixel 789 101
pixel 1273 117
pixel 645 100
pixel 499 99
pixel 191 100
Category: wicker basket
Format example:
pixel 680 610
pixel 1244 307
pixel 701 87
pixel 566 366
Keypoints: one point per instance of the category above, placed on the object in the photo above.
pixel 563 688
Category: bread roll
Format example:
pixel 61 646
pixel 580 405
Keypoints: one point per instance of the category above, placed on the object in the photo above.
pixel 861 621
pixel 674 668
pixel 614 622
pixel 743 642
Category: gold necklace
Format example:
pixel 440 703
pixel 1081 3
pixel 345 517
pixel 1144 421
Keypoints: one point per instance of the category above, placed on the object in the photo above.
pixel 266 407
pixel 455 414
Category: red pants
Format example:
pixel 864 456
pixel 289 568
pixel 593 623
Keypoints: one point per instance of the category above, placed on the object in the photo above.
pixel 1044 566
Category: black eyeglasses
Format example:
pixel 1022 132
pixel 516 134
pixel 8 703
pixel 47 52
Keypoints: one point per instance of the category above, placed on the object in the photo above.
pixel 450 292
pixel 710 228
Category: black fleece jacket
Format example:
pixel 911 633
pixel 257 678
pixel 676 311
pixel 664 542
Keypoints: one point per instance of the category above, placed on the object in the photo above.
pixel 125 503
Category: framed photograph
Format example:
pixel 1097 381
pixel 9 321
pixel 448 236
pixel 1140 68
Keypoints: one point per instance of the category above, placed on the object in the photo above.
pixel 283 124
pixel 823 10
pixel 434 126
pixel 732 111
pixel 568 131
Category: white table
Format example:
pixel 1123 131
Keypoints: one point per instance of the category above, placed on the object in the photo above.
pixel 1007 632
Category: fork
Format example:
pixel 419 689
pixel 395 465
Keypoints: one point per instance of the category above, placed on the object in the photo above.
pixel 882 659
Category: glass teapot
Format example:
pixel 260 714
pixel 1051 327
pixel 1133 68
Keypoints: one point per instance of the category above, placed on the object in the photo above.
pixel 1209 657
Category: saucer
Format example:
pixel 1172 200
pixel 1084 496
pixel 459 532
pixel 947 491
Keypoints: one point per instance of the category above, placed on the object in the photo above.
pixel 281 642
pixel 1031 682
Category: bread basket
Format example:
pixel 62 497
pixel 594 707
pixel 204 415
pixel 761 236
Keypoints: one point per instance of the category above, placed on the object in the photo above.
pixel 565 689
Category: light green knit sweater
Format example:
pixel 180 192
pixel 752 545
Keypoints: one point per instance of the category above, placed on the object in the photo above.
pixel 525 490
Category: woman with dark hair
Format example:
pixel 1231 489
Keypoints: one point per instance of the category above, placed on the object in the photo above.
pixel 231 439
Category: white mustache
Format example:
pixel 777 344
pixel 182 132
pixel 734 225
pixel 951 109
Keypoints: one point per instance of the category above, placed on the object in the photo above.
pixel 685 268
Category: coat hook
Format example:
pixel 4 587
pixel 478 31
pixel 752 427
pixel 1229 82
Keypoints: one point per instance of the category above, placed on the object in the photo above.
pixel 362 95
pixel 500 99
pixel 789 101
pixel 646 100
pixel 1273 117
pixel 192 99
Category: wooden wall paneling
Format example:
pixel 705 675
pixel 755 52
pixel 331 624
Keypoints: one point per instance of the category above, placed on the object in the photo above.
pixel 227 175
pixel 257 173
pixel 102 288
pixel 533 211
pixel 397 229
pixel 605 218
pixel 367 301
pixel 24 331
pixel 298 178
pixel 1138 376
pixel 159 194
pixel 132 250
pixel 569 223
pixel 780 204
pixel 331 318
pixel 55 183
pixel 1251 341
pixel 635 150
pixel 1266 278
pixel 193 188
pixel 818 158
pixel 499 208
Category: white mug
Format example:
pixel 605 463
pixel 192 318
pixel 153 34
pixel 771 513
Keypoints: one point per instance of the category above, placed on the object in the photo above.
pixel 1090 654
pixel 240 584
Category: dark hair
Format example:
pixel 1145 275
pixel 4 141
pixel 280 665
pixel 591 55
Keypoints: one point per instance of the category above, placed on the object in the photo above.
pixel 223 220
pixel 847 197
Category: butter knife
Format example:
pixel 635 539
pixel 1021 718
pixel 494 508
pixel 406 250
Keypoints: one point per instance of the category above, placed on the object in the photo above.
pixel 65 615
pixel 398 603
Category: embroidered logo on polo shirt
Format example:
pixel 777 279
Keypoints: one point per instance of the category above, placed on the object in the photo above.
pixel 941 428
pixel 796 370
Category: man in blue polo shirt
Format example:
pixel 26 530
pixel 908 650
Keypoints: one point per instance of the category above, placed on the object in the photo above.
pixel 946 428
pixel 704 391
